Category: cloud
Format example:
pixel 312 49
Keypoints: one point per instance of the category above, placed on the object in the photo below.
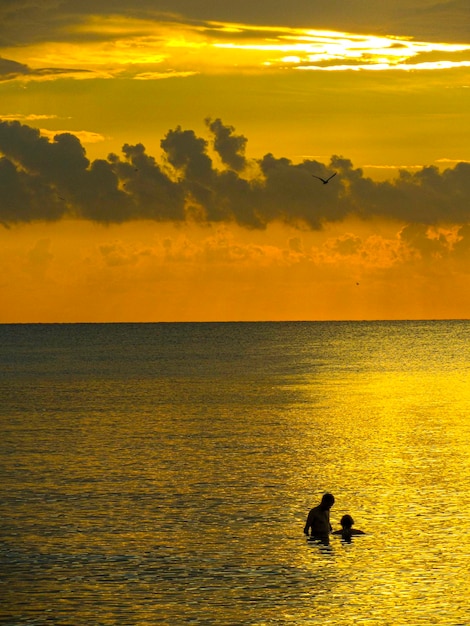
pixel 353 251
pixel 162 75
pixel 446 160
pixel 48 179
pixel 386 66
pixel 23 21
pixel 31 117
pixel 85 136
pixel 12 69
pixel 230 147
pixel 321 50
pixel 445 18
pixel 86 40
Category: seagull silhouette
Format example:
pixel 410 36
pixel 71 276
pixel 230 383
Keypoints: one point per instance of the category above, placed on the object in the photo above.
pixel 324 180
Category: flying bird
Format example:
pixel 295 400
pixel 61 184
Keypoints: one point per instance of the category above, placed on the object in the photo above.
pixel 324 180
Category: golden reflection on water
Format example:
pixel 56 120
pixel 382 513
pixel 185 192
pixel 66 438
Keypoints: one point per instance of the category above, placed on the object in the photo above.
pixel 401 442
pixel 181 498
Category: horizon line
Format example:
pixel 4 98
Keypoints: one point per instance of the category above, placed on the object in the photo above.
pixel 293 321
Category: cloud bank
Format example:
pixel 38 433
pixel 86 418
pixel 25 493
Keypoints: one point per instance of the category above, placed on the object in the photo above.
pixel 23 21
pixel 52 41
pixel 211 180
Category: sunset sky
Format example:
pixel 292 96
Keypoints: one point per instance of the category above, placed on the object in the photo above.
pixel 157 160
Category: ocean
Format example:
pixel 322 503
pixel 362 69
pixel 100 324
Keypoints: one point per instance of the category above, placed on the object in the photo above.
pixel 162 473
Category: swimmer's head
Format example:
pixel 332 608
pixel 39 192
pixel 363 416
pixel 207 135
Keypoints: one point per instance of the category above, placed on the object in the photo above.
pixel 327 500
pixel 346 521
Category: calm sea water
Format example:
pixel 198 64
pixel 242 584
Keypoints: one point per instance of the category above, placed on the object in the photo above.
pixel 162 473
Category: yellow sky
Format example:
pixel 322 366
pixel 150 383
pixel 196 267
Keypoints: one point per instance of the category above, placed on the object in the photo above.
pixel 207 208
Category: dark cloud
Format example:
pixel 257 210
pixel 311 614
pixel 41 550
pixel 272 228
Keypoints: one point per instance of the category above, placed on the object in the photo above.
pixel 46 180
pixel 229 146
pixel 12 69
pixel 28 21
pixel 436 20
pixel 154 195
pixel 25 197
pixel 187 153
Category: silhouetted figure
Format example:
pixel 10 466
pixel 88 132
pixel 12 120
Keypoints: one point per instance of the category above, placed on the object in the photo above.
pixel 347 530
pixel 324 180
pixel 318 519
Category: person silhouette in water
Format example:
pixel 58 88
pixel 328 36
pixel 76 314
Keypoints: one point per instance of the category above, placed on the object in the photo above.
pixel 347 530
pixel 318 519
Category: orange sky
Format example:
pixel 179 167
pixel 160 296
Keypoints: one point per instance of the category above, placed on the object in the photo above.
pixel 158 165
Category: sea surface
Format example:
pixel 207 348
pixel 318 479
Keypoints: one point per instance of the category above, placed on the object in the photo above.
pixel 162 473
